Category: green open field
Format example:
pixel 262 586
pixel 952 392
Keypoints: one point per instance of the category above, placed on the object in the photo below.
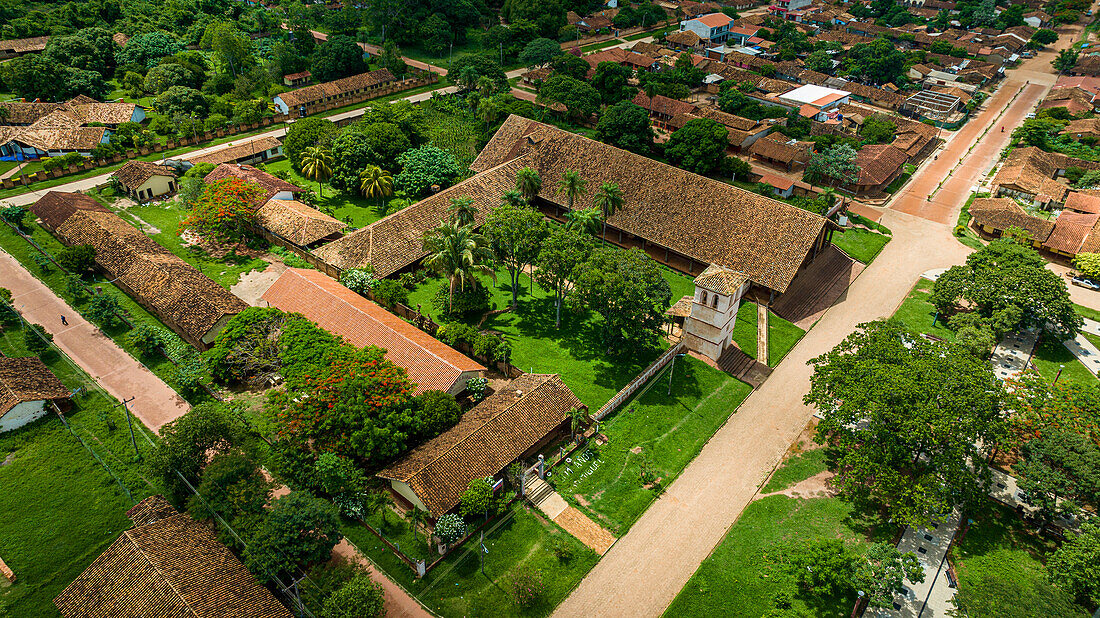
pixel 861 245
pixel 746 569
pixel 782 336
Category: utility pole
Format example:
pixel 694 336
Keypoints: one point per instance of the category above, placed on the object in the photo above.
pixel 130 424
pixel 482 550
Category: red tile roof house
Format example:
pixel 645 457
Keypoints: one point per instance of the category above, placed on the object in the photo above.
pixel 509 425
pixel 662 109
pixel 714 27
pixel 26 384
pixel 144 181
pixel 30 130
pixel 430 363
pixel 879 165
pixel 167 565
pixel 337 90
pixel 187 301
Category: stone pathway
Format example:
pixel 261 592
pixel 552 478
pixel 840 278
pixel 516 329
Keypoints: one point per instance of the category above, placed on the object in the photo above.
pixel 932 597
pixel 576 523
pixel 1010 356
pixel 762 333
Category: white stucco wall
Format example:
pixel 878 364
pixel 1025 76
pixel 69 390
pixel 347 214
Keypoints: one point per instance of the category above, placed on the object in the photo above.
pixel 407 493
pixel 22 414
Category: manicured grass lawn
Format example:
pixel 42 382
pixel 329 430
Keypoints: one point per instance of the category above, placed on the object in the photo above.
pixel 796 469
pixel 1086 312
pixel 360 210
pixel 654 431
pixel 457 588
pixel 1000 567
pixel 1051 355
pixel 574 350
pixel 746 569
pixel 859 244
pixel 917 312
pixel 597 46
pixel 968 237
pixel 782 336
pixel 61 508
pixel 57 281
pixel 642 35
pixel 744 328
pixel 7 165
pixel 680 284
pixel 900 180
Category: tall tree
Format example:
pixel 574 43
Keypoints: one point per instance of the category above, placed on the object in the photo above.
pixel 516 232
pixel 909 423
pixel 457 253
pixel 699 146
pixel 627 289
pixel 882 571
pixel 584 220
pixel 559 263
pixel 626 125
pixel 317 165
pixel 462 211
pixel 572 185
pixel 1066 60
pixel 376 182
pixel 608 199
pixel 529 183
pixel 300 530
pixel 1075 566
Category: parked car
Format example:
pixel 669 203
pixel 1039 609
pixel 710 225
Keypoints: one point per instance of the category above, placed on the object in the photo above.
pixel 1031 115
pixel 1086 283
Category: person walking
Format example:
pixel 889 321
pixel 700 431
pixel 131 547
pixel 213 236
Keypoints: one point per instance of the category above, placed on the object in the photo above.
pixel 64 322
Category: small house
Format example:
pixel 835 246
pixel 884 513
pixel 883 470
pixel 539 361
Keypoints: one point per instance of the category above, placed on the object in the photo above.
pixel 144 181
pixel 297 80
pixel 26 387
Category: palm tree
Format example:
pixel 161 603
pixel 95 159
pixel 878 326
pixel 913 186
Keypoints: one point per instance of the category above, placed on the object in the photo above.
pixel 317 165
pixel 608 199
pixel 377 501
pixel 514 198
pixel 484 86
pixel 376 182
pixel 583 220
pixel 457 253
pixel 572 185
pixel 417 516
pixel 529 183
pixel 462 211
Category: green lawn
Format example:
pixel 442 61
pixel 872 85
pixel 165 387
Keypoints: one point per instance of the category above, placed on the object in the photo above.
pixel 1086 312
pixel 654 431
pixel 61 508
pixel 57 281
pixel 1000 567
pixel 917 312
pixel 598 46
pixel 897 183
pixel 457 587
pixel 968 236
pixel 642 35
pixel 744 328
pixel 859 244
pixel 746 569
pixel 782 336
pixel 574 350
pixel 1051 355
pixel 796 469
pixel 359 210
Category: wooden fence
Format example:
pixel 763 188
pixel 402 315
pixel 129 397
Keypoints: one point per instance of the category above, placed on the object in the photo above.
pixel 639 381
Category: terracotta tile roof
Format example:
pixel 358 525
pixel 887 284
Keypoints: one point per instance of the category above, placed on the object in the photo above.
pixel 778 182
pixel 397 241
pixel 27 379
pixel 619 56
pixel 684 38
pixel 296 76
pixel 57 206
pixel 1083 202
pixel 316 92
pixel 1070 231
pixel 135 173
pixel 714 20
pixel 81 110
pixel 169 565
pixel 681 308
pixel 1083 126
pixel 297 222
pixel 721 280
pixel 271 185
pixel 1076 100
pixel 1031 171
pixel 60 138
pixel 173 288
pixel 1001 213
pixel 778 147
pixel 23 46
pixel 707 220
pixel 661 104
pixel 231 154
pixel 430 363
pixel 878 163
pixel 120 39
pixel 487 439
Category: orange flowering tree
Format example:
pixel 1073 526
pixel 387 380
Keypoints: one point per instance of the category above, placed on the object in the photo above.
pixel 359 405
pixel 224 211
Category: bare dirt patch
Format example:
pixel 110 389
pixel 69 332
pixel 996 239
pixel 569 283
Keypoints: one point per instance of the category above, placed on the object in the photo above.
pixel 7 460
pixel 817 486
pixel 252 285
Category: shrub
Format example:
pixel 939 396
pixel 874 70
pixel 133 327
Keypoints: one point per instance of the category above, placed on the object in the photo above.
pixel 389 293
pixel 104 310
pixel 478 497
pixel 189 375
pixel 338 475
pixel 476 388
pixel 145 338
pixel 437 412
pixel 452 333
pixel 562 548
pixel 14 214
pixel 474 298
pixel 8 314
pixel 485 345
pixel 450 528
pixel 526 585
pixel 359 598
pixel 74 285
pixel 358 280
pixel 77 258
pixel 37 339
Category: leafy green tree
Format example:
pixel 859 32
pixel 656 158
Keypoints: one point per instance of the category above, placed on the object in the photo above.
pixel 231 47
pixel 879 61
pixel 909 423
pixel 1066 60
pixel 148 48
pixel 1039 132
pixel 182 101
pixel 1060 471
pixel 37 339
pixel 1044 36
pixel 363 145
pixel 1075 566
pixel 1088 264
pixel 104 310
pixel 528 183
pixel 389 293
pixel 626 125
pixel 478 497
pixel 584 220
pixel 307 132
pixel 570 66
pixel 436 35
pixel 423 167
pixel 340 56
pixel 77 258
pixel 466 70
pixel 579 98
pixel 699 146
pixel 359 598
pixel 457 253
pixel 1008 288
pixel 436 412
pixel 836 164
pixel 338 475
pixel 188 443
pixel 611 80
pixel 823 567
pixel 878 129
pixel 299 531
pixel 89 49
pixel 317 165
pixel 540 52
pixel 233 488
pixel 14 214
pixel 627 289
pixel 819 61
pixel 880 573
pixel 145 338
pixel 559 263
pixel 515 232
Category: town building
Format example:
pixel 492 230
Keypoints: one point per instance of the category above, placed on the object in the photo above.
pixel 27 388
pixel 815 102
pixel 297 101
pixel 144 181
pixel 248 153
pixel 167 565
pixel 430 363
pixel 32 130
pixel 297 80
pixel 273 187
pixel 714 27
pixel 298 224
pixel 708 329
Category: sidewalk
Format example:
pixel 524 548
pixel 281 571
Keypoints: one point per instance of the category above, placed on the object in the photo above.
pixel 116 371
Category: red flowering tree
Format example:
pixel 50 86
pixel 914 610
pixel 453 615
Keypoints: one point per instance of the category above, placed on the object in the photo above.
pixel 224 211
pixel 360 406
